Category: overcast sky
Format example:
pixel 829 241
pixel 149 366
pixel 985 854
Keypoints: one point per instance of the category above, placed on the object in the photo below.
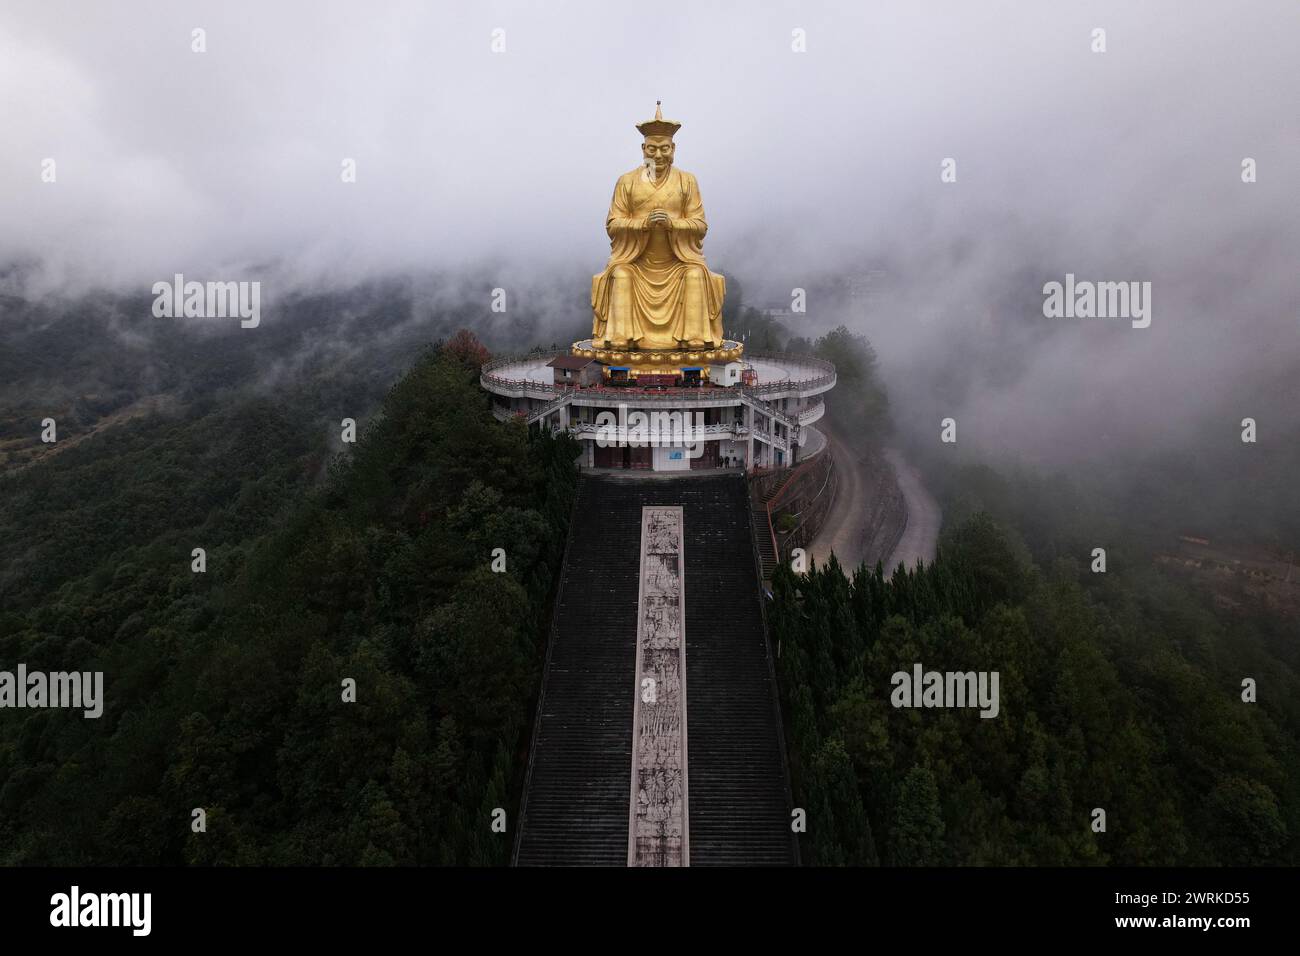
pixel 1117 165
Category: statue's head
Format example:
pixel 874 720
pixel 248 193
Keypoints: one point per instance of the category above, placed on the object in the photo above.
pixel 658 152
pixel 658 146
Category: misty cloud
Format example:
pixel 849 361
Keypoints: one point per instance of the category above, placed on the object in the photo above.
pixel 817 169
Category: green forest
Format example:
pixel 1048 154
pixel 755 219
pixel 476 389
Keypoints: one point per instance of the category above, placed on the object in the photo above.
pixel 226 687
pixel 372 563
pixel 1120 691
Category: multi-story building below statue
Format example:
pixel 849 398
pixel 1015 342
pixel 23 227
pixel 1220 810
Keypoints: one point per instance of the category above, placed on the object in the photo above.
pixel 753 414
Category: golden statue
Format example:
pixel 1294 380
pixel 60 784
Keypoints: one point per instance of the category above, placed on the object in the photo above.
pixel 656 293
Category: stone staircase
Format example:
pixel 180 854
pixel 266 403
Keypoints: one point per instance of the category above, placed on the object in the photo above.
pixel 764 537
pixel 763 540
pixel 577 794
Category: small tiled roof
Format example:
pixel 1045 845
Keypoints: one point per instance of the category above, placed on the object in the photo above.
pixel 569 361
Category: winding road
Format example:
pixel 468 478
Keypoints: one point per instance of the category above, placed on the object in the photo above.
pixel 920 538
pixel 845 529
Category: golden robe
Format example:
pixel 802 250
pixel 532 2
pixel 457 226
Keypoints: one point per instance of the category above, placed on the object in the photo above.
pixel 656 291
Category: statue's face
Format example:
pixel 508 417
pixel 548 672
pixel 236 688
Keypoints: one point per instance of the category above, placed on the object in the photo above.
pixel 658 150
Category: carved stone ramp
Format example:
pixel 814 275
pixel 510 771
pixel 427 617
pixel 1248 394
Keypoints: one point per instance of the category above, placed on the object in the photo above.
pixel 657 829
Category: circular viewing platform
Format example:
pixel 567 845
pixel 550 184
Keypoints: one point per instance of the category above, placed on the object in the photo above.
pixel 776 376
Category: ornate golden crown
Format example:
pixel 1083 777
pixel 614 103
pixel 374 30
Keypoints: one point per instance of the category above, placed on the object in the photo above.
pixel 658 126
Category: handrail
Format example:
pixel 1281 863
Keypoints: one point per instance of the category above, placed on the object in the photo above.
pixel 828 376
pixel 622 433
pixel 720 393
pixel 520 357
pixel 776 548
pixel 806 415
pixel 802 358
pixel 766 409
pixel 766 508
pixel 786 485
pixel 767 512
pixel 786 489
pixel 806 512
pixel 546 409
